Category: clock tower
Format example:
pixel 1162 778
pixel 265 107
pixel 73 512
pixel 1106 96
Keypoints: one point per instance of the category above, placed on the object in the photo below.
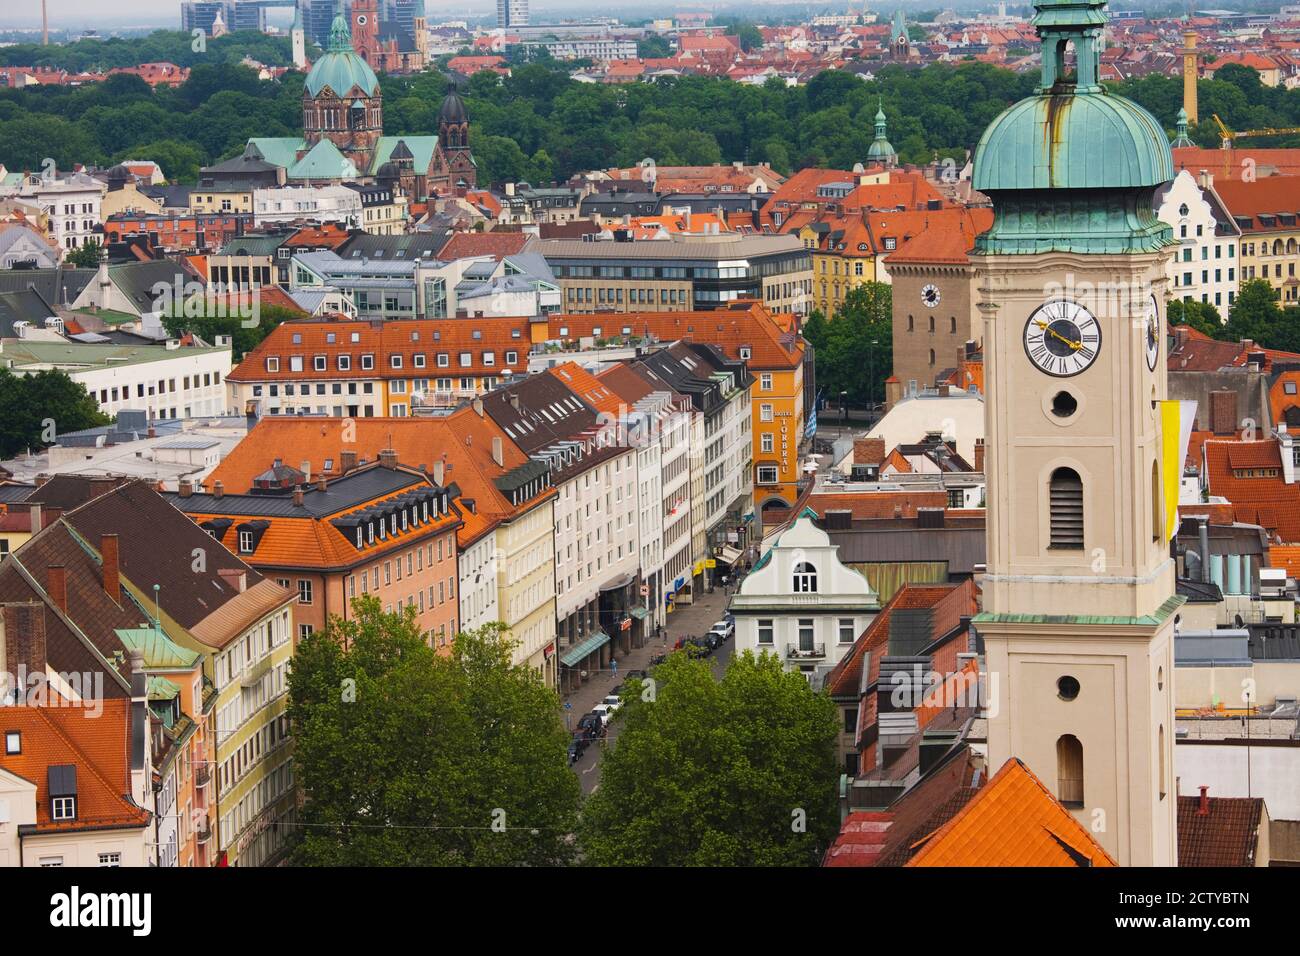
pixel 1079 599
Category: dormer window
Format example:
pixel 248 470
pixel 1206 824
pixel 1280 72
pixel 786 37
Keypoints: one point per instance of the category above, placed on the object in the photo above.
pixel 360 540
pixel 61 782
pixel 273 363
pixel 245 542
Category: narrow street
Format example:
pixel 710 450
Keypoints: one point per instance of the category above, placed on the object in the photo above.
pixel 694 619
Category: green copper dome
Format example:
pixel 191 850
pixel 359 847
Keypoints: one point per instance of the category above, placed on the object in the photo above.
pixel 1072 168
pixel 880 150
pixel 341 68
pixel 1084 141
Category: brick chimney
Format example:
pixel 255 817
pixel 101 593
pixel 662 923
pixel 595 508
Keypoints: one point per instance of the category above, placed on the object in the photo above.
pixel 297 496
pixel 22 639
pixel 57 586
pixel 108 553
pixel 1223 412
pixel 347 461
pixel 868 451
pixel 978 463
pixel 218 489
pixel 1204 809
pixel 184 488
pixel 322 483
pixel 388 458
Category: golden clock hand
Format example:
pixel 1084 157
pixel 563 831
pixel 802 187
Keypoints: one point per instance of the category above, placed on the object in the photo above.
pixel 1057 335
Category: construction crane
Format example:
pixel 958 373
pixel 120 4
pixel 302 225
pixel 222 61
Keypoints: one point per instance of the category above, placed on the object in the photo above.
pixel 1229 138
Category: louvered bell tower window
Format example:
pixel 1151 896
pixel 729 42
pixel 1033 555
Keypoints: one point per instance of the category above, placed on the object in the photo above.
pixel 1066 504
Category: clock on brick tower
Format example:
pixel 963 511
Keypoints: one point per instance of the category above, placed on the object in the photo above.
pixel 1079 600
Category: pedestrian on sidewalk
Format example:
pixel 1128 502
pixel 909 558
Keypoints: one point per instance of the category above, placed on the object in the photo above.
pixel 613 665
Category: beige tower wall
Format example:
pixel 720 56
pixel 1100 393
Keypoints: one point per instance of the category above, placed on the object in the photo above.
pixel 1104 614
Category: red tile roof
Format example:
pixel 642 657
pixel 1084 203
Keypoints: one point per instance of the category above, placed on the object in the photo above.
pixel 747 324
pixel 1264 196
pixel 1225 832
pixel 1266 501
pixel 95 743
pixel 462 245
pixel 1012 821
pixel 587 387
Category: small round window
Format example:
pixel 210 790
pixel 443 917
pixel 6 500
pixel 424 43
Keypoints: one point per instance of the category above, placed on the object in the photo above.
pixel 1064 404
pixel 1067 687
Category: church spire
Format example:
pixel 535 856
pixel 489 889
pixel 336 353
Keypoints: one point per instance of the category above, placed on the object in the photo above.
pixel 340 36
pixel 1182 139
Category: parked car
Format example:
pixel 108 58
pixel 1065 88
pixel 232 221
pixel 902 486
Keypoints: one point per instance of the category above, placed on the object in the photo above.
pixel 591 726
pixel 658 659
pixel 714 639
pixel 614 702
pixel 605 712
pixel 577 747
pixel 638 674
pixel 697 647
pixel 725 628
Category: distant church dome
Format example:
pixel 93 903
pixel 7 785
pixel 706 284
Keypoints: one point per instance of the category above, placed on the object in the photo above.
pixel 880 150
pixel 452 111
pixel 340 68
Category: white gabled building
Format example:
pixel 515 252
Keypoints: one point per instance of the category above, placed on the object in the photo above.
pixel 1206 262
pixel 73 203
pixel 801 602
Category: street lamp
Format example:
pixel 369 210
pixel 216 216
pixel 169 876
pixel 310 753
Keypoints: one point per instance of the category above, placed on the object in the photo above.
pixel 844 408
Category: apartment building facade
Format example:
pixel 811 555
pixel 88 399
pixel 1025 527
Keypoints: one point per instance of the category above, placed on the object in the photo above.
pixel 680 274
pixel 1268 214
pixel 1205 266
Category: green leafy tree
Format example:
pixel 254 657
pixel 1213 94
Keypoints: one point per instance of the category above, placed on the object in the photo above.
pixel 737 772
pixel 854 348
pixel 1201 316
pixel 411 758
pixel 653 47
pixel 36 409
pixel 85 256
pixel 1255 314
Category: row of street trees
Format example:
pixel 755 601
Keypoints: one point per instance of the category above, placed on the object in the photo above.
pixel 408 757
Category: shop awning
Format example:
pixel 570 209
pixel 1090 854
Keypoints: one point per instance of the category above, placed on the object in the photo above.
pixel 729 556
pixel 640 612
pixel 578 652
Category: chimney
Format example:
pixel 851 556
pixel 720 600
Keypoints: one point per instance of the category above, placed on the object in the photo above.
pixel 218 489
pixel 236 578
pixel 478 406
pixel 943 391
pixel 35 511
pixel 1203 538
pixel 139 718
pixel 184 488
pixel 498 451
pixel 41 479
pixel 22 639
pixel 979 455
pixel 388 457
pixel 110 570
pixel 57 586
pixel 347 461
pixel 439 469
pixel 514 401
pixel 322 483
pixel 297 496
pixel 1204 809
pixel 1223 412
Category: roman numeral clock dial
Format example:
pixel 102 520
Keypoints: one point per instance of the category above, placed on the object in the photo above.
pixel 1062 338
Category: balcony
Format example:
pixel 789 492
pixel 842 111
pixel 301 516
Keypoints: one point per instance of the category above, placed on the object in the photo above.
pixel 204 832
pixel 202 775
pixel 811 653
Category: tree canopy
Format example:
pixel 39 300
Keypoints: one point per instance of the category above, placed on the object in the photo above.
pixel 737 772
pixel 36 409
pixel 411 758
pixel 1256 314
pixel 854 349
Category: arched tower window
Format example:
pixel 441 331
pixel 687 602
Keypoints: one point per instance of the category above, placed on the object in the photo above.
pixel 805 578
pixel 1069 770
pixel 1065 503
pixel 1157 521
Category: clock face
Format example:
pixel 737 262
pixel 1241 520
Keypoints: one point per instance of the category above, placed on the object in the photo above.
pixel 1151 338
pixel 361 19
pixel 930 295
pixel 1062 338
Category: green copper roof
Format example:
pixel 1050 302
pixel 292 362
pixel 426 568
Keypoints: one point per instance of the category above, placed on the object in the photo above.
pixel 160 652
pixel 323 161
pixel 1073 141
pixel 1072 168
pixel 1160 615
pixel 421 147
pixel 880 149
pixel 899 27
pixel 341 69
pixel 1181 138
